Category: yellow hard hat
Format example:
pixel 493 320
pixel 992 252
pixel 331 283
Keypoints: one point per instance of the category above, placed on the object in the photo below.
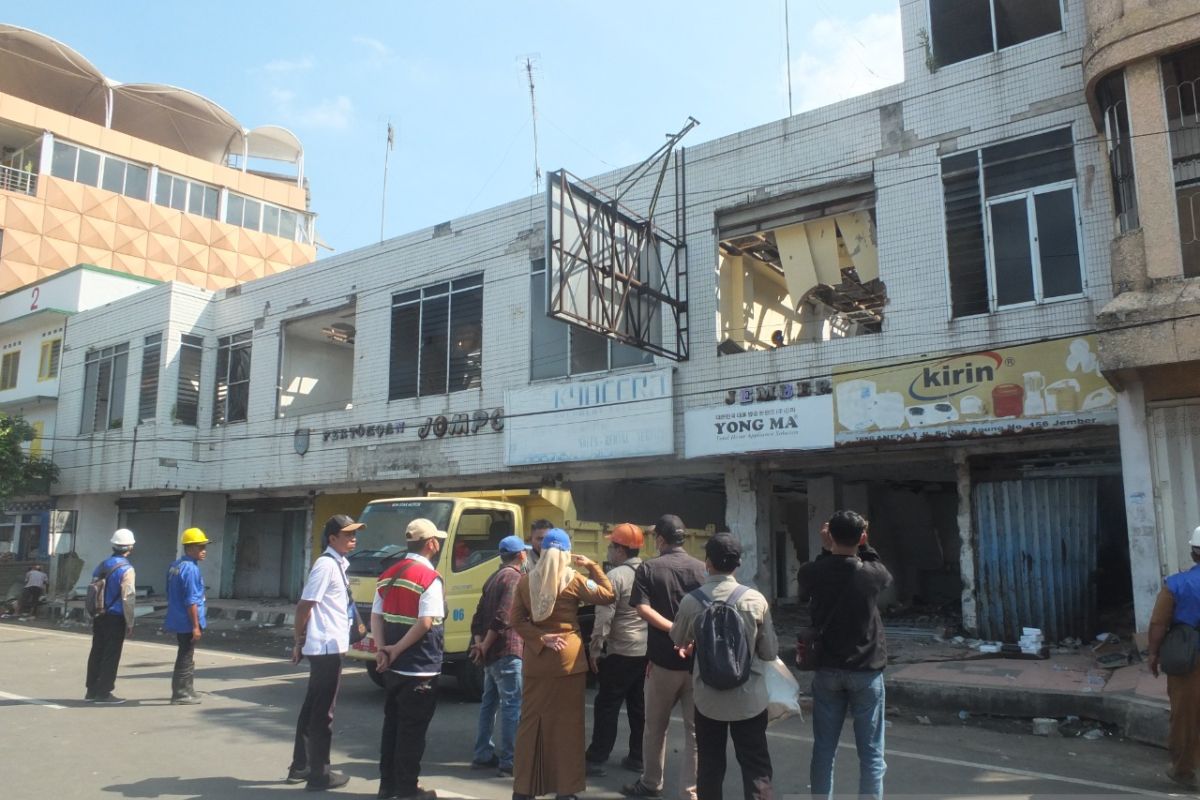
pixel 194 536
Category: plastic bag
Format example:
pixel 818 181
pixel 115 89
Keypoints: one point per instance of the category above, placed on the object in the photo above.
pixel 783 693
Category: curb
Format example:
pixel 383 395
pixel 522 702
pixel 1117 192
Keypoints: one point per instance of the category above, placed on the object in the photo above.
pixel 1138 719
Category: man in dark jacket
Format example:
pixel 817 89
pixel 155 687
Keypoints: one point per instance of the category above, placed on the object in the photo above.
pixel 843 586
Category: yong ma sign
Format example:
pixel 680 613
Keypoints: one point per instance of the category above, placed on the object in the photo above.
pixel 1044 386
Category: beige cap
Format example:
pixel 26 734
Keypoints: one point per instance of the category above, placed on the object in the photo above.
pixel 421 528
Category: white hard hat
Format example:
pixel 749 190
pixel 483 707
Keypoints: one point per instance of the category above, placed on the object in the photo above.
pixel 1196 537
pixel 123 537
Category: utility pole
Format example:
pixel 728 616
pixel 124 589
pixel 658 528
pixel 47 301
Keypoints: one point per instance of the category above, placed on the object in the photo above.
pixel 391 142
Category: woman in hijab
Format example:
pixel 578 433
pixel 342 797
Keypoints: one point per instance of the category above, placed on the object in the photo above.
pixel 545 612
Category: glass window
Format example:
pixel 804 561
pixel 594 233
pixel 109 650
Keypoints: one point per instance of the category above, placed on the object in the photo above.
pixel 114 176
pixel 187 389
pixel 148 397
pixel 232 393
pixel 1011 254
pixel 406 327
pixel 963 29
pixel 271 220
pixel 48 362
pixel 252 218
pixel 1058 243
pixel 104 388
pixel 437 339
pixel 137 181
pixel 9 364
pixel 235 208
pixel 88 169
pixel 62 164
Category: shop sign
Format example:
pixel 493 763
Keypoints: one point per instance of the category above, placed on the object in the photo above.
pixel 802 423
pixel 378 431
pixel 1036 387
pixel 770 392
pixel 462 424
pixel 622 416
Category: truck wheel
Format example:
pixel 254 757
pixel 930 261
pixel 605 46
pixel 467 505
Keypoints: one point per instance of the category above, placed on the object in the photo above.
pixel 374 675
pixel 470 680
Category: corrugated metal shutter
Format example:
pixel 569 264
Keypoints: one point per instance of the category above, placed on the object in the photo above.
pixel 1035 557
pixel 1175 448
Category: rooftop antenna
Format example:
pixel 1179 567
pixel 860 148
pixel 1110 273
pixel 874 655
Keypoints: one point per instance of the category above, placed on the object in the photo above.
pixel 537 169
pixel 391 143
pixel 787 38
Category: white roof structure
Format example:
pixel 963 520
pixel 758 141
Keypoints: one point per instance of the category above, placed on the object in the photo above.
pixel 42 70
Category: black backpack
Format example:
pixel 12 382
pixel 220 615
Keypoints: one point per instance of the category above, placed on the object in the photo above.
pixel 723 648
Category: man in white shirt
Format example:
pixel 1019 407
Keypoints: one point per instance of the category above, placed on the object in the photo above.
pixel 406 622
pixel 35 587
pixel 322 635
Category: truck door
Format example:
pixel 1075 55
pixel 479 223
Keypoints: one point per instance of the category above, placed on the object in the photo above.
pixel 473 555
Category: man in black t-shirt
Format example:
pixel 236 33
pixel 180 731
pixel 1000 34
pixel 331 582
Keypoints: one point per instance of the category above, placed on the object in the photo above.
pixel 843 586
pixel 658 586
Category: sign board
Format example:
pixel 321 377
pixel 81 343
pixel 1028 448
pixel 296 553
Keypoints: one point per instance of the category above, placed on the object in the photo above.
pixel 1044 386
pixel 802 423
pixel 621 416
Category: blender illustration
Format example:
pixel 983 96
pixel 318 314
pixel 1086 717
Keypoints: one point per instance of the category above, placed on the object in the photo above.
pixel 1035 400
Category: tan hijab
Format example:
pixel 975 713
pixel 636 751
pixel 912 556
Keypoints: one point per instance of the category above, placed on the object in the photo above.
pixel 547 579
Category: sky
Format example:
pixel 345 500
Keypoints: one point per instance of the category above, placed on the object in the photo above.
pixel 610 80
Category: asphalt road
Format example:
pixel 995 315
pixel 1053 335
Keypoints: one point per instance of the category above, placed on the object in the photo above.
pixel 237 744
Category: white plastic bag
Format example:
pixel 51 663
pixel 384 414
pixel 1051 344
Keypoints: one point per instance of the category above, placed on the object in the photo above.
pixel 783 693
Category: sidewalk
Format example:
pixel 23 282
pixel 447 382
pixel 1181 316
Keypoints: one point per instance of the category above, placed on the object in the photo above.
pixel 1063 685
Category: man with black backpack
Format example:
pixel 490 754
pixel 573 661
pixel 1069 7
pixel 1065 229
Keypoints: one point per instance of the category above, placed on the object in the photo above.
pixel 842 585
pixel 111 597
pixel 727 629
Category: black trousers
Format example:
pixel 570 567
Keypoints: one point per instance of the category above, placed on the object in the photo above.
pixel 749 746
pixel 314 728
pixel 185 667
pixel 407 711
pixel 108 638
pixel 620 681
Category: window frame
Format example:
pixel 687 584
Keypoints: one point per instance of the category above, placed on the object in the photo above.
pixel 445 290
pixel 104 158
pixel 1030 196
pixel 190 188
pixel 152 347
pixel 97 356
pixel 227 345
pixel 1062 19
pixel 189 343
pixel 49 356
pixel 10 375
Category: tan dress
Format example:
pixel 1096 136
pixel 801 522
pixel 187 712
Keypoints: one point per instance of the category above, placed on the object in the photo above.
pixel 1183 739
pixel 550 738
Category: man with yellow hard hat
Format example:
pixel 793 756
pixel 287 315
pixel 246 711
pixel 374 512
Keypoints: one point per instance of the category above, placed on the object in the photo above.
pixel 186 616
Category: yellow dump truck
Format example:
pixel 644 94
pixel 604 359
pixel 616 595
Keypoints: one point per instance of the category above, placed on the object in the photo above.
pixel 475 522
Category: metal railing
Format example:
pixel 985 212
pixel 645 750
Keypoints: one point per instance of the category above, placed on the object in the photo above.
pixel 18 180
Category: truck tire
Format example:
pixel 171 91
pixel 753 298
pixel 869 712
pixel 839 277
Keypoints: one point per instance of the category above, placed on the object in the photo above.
pixel 470 680
pixel 374 675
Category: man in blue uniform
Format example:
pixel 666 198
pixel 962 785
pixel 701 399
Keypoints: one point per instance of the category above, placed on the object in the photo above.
pixel 186 616
pixel 114 619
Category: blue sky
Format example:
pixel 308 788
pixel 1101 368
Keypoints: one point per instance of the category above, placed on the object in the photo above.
pixel 612 78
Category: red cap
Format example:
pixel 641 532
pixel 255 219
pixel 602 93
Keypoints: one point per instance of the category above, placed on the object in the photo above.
pixel 627 535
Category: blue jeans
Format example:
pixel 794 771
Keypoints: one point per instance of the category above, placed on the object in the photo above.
pixel 834 692
pixel 501 688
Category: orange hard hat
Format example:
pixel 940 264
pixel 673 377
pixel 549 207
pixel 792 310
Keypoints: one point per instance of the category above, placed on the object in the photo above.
pixel 627 535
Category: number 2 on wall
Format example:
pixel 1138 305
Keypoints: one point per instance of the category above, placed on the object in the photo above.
pixel 37 292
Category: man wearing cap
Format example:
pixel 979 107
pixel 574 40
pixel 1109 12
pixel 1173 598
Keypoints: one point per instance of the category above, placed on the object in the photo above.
pixel 322 635
pixel 742 710
pixel 114 620
pixel 499 650
pixel 406 619
pixel 1179 603
pixel 658 586
pixel 186 617
pixel 617 655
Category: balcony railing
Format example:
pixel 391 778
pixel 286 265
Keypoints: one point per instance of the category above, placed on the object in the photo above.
pixel 18 180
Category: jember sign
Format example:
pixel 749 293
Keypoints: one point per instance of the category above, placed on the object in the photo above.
pixel 1043 386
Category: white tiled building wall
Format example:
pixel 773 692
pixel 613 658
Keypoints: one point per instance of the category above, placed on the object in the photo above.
pixel 1026 89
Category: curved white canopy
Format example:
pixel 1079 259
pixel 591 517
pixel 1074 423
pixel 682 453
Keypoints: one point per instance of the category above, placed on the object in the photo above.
pixel 45 71
pixel 274 142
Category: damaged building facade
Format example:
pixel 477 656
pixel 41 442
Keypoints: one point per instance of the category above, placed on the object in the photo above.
pixel 887 304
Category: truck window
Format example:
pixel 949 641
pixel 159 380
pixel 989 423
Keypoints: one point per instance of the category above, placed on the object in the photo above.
pixel 382 541
pixel 477 539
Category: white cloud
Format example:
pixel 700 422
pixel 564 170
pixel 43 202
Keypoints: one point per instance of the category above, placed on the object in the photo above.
pixel 332 114
pixel 844 58
pixel 283 65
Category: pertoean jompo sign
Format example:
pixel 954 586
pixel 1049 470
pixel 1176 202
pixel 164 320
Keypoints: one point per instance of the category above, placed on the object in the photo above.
pixel 1042 386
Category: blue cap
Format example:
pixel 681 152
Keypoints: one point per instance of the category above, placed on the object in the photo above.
pixel 513 544
pixel 558 539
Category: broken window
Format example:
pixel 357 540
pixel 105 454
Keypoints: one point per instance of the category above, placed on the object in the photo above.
pixel 437 339
pixel 231 395
pixel 1181 85
pixel 798 273
pixel 187 388
pixel 558 349
pixel 964 29
pixel 1110 94
pixel 1012 226
pixel 317 362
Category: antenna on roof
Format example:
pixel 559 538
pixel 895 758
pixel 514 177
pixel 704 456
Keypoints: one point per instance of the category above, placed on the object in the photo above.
pixel 537 169
pixel 391 143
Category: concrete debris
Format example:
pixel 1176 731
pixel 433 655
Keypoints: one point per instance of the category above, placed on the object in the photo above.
pixel 923 720
pixel 1044 726
pixel 1094 734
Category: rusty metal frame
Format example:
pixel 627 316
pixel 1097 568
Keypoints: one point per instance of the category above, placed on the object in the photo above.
pixel 626 292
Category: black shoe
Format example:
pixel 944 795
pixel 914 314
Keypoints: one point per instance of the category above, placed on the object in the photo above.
pixel 639 789
pixel 504 772
pixel 491 763
pixel 90 698
pixel 185 700
pixel 632 764
pixel 334 780
pixel 299 775
pixel 595 770
pixel 109 699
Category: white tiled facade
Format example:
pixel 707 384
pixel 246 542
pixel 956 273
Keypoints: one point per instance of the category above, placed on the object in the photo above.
pixel 895 136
